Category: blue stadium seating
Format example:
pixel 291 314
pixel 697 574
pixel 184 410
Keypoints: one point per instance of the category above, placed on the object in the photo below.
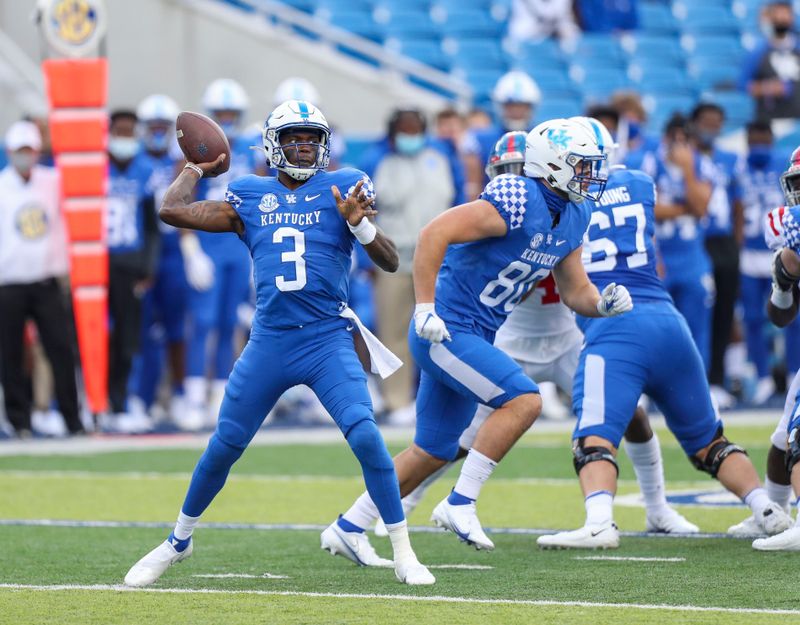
pixel 552 108
pixel 660 47
pixel 545 53
pixel 656 17
pixel 739 107
pixel 476 54
pixel 410 25
pixel 725 49
pixel 709 19
pixel 425 51
pixel 599 49
pixel 402 5
pixel 471 23
pixel 710 74
pixel 554 82
pixel 359 23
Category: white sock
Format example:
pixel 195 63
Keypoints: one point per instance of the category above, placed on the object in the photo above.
pixel 185 526
pixel 757 499
pixel 363 512
pixel 646 459
pixel 599 507
pixel 411 501
pixel 401 543
pixel 779 493
pixel 476 470
pixel 196 391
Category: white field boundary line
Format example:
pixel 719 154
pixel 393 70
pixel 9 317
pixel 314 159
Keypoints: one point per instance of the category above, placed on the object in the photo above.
pixel 257 477
pixel 240 576
pixel 629 559
pixel 422 599
pixel 307 527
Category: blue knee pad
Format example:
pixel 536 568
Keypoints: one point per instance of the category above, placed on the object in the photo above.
pixel 367 444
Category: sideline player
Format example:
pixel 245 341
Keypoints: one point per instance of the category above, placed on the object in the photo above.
pixel 540 334
pixel 300 232
pixel 472 266
pixel 648 351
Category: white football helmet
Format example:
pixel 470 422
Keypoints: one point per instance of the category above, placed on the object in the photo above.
pixel 225 94
pixel 296 88
pixel 516 87
pixel 157 114
pixel 296 114
pixel 567 155
pixel 606 142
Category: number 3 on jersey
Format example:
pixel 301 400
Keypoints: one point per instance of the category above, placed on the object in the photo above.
pixel 602 251
pixel 293 256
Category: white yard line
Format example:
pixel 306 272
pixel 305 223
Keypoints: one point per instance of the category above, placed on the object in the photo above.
pixel 240 576
pixel 429 599
pixel 629 559
pixel 462 567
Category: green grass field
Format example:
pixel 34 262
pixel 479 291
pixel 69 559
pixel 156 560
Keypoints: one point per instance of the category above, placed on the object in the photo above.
pixel 276 573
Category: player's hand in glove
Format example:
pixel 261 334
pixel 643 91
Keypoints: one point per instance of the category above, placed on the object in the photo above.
pixel 199 267
pixel 614 300
pixel 429 325
pixel 783 283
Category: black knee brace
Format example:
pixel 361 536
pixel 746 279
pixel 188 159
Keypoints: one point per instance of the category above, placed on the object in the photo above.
pixel 793 452
pixel 584 455
pixel 719 450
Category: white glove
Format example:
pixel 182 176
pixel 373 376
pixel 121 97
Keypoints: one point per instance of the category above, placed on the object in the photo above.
pixel 774 232
pixel 614 300
pixel 198 266
pixel 429 325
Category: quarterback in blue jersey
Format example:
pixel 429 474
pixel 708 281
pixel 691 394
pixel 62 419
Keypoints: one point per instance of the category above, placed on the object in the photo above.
pixel 647 351
pixel 782 233
pixel 472 265
pixel 300 228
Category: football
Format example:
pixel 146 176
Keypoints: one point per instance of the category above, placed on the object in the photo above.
pixel 202 140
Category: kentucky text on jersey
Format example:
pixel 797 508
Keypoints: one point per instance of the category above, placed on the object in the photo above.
pixel 293 219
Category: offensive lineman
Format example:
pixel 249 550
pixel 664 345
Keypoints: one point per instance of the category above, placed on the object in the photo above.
pixel 649 351
pixel 476 262
pixel 300 232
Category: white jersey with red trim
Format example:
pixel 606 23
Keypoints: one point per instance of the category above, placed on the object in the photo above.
pixel 541 328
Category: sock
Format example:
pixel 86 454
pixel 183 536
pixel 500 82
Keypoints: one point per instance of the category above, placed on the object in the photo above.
pixel 476 470
pixel 599 507
pixel 196 388
pixel 456 499
pixel 779 493
pixel 797 518
pixel 178 544
pixel 411 501
pixel 401 544
pixel 347 526
pixel 185 526
pixel 362 514
pixel 757 499
pixel 646 459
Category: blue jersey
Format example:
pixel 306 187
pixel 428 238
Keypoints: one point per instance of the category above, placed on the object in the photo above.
pixel 723 170
pixel 680 240
pixel 300 244
pixel 480 282
pixel 128 190
pixel 163 174
pixel 243 163
pixel 761 192
pixel 618 246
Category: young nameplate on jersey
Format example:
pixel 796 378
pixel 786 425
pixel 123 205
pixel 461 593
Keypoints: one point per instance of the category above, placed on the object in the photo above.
pixel 616 367
pixel 473 264
pixel 300 228
pixel 782 233
pixel 540 334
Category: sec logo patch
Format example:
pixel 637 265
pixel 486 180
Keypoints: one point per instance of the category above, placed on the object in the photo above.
pixel 269 203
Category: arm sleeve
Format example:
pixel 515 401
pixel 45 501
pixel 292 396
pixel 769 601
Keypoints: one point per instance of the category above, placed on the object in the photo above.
pixel 152 236
pixel 509 195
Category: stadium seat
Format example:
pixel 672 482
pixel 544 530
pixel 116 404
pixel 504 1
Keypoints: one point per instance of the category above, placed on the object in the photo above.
pixel 661 48
pixel 711 74
pixel 358 23
pixel 656 17
pixel 554 82
pixel 481 81
pixel 739 107
pixel 425 51
pixel 307 6
pixel 470 23
pixel 710 19
pixel 722 48
pixel 325 8
pixel 600 83
pixel 665 80
pixel 410 25
pixel 402 5
pixel 476 53
pixel 662 107
pixel 552 108
pixel 599 49
pixel 545 53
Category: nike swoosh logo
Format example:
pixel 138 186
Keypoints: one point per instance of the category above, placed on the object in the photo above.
pixel 312 197
pixel 560 242
pixel 599 531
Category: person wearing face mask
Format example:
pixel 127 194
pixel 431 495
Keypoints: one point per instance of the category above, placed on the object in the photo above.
pixel 33 255
pixel 761 192
pixel 515 97
pixel 771 73
pixel 630 134
pixel 723 235
pixel 164 306
pixel 133 242
pixel 414 182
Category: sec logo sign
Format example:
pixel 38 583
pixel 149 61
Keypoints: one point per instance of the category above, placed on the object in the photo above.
pixel 73 27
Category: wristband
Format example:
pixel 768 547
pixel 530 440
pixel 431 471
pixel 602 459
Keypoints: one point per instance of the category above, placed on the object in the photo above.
pixel 784 280
pixel 194 168
pixel 781 299
pixel 365 231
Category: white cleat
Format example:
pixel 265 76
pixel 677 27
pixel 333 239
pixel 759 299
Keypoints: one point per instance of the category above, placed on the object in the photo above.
pixel 463 522
pixel 152 566
pixel 354 546
pixel 748 527
pixel 788 540
pixel 411 572
pixel 670 521
pixel 380 529
pixel 587 537
pixel 775 520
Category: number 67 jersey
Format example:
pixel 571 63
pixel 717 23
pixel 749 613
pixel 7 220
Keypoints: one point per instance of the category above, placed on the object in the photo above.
pixel 481 282
pixel 300 244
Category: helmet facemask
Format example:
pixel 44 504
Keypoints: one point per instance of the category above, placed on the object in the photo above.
pixel 589 177
pixel 790 183
pixel 287 157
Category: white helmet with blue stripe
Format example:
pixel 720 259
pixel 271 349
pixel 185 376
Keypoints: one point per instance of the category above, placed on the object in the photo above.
pixel 516 88
pixel 296 88
pixel 607 144
pixel 568 156
pixel 157 108
pixel 296 114
pixel 225 94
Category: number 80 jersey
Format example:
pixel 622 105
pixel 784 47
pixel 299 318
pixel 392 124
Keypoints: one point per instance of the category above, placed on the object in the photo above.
pixel 618 246
pixel 481 282
pixel 300 244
